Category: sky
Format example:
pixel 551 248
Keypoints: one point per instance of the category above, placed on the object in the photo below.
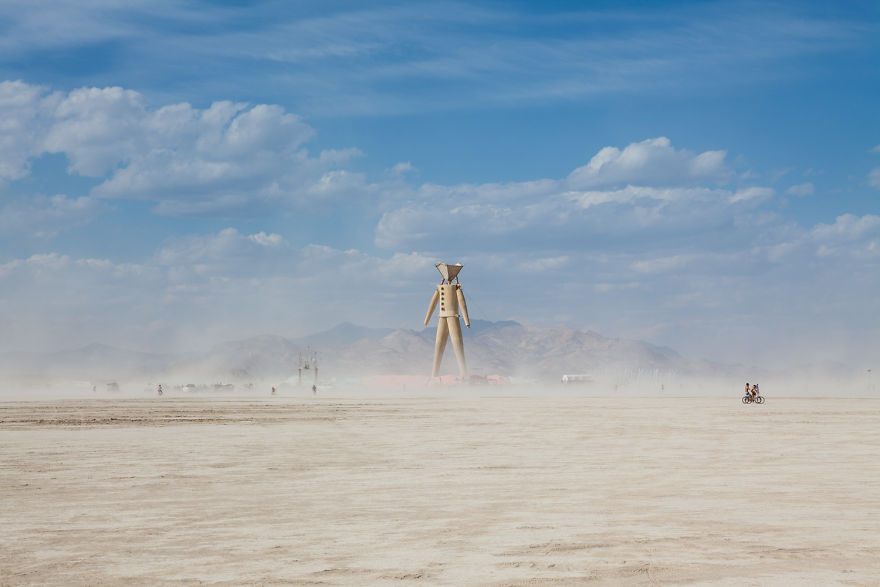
pixel 702 175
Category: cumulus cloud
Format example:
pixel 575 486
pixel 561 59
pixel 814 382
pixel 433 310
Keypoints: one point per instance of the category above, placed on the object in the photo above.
pixel 848 227
pixel 189 160
pixel 97 129
pixel 646 187
pixel 267 240
pixel 650 162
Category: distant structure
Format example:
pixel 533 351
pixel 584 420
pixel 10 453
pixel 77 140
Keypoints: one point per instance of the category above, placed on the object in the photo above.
pixel 577 378
pixel 451 300
pixel 309 362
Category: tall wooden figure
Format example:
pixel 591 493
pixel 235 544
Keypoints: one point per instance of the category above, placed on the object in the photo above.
pixel 451 301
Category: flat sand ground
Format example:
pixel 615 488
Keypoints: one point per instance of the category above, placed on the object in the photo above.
pixel 454 491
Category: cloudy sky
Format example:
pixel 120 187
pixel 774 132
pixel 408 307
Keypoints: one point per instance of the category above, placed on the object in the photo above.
pixel 703 175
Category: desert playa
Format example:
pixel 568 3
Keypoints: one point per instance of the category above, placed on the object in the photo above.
pixel 441 490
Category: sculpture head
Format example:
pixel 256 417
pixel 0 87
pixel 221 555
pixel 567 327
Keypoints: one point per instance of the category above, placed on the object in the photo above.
pixel 449 272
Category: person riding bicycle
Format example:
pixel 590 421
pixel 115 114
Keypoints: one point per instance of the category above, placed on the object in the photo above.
pixel 748 389
pixel 754 392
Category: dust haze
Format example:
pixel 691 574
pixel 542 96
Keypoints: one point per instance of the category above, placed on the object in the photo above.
pixel 504 358
pixel 566 456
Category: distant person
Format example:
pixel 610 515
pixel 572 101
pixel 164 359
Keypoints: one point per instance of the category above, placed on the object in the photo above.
pixel 273 390
pixel 314 389
pixel 159 389
pixel 754 391
pixel 748 389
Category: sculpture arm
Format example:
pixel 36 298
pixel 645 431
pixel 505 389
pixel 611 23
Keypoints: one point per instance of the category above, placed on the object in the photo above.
pixel 463 307
pixel 433 305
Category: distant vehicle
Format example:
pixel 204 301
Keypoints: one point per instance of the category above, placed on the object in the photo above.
pixel 189 387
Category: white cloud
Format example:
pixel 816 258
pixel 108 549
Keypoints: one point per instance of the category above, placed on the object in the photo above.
pixel 633 194
pixel 402 169
pixel 752 193
pixel 802 189
pixel 874 178
pixel 45 216
pixel 661 193
pixel 848 227
pixel 267 240
pixel 189 160
pixel 650 162
pixel 337 183
pixel 23 124
pixel 228 151
pixel 97 129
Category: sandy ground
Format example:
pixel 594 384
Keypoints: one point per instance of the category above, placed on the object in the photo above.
pixel 440 491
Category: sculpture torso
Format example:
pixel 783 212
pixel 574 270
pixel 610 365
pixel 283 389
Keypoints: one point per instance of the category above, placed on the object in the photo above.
pixel 448 300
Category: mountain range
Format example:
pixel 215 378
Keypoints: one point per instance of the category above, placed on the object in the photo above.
pixel 348 350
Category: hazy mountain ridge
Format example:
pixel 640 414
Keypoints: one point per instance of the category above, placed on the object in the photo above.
pixel 507 348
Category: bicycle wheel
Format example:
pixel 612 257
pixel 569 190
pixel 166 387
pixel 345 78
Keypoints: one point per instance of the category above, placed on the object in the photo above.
pixel 760 399
pixel 746 399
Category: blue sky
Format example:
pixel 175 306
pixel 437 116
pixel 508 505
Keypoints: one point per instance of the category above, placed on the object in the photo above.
pixel 704 175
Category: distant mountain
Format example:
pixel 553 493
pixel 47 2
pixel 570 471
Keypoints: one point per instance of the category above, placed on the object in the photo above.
pixel 343 334
pixel 491 347
pixel 507 348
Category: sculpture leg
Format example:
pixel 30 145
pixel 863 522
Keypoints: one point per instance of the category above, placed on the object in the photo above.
pixel 457 344
pixel 440 344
